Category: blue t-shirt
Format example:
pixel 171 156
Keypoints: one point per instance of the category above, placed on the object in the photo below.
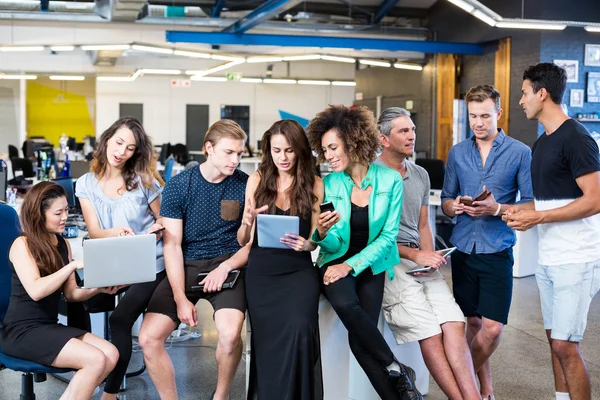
pixel 211 212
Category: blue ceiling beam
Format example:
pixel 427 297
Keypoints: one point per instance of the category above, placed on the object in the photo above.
pixel 384 9
pixel 217 8
pixel 253 39
pixel 262 13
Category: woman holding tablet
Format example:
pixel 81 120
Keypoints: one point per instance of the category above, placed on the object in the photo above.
pixel 358 240
pixel 282 285
pixel 41 271
pixel 121 196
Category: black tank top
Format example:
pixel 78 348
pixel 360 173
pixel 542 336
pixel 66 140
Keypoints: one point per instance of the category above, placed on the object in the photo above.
pixel 22 308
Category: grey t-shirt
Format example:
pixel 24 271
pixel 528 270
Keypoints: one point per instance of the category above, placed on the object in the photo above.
pixel 132 209
pixel 416 195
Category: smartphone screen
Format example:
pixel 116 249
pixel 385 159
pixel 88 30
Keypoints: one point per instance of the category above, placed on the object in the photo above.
pixel 328 206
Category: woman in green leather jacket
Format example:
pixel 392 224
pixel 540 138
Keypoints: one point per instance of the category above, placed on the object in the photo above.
pixel 358 239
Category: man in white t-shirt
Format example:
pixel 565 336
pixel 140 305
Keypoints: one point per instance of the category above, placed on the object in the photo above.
pixel 565 173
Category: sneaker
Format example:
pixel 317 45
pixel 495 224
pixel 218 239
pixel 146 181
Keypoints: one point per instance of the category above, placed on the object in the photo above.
pixel 490 397
pixel 405 383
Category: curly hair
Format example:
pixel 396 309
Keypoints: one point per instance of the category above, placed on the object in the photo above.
pixel 355 126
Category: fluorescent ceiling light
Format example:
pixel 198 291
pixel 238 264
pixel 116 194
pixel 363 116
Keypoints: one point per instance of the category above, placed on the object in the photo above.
pixel 115 78
pixel 413 67
pixel 529 25
pixel 18 76
pixel 263 59
pixel 98 47
pixel 251 80
pixel 151 49
pixel 484 17
pixel 209 78
pixel 192 54
pixel 227 58
pixel 375 63
pixel 311 82
pixel 302 58
pixel 463 4
pixel 62 48
pixel 281 81
pixel 339 59
pixel 592 28
pixel 67 77
pixel 21 48
pixel 343 83
pixel 152 71
pixel 214 69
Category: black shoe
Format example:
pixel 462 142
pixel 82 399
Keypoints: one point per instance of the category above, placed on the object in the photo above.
pixel 405 383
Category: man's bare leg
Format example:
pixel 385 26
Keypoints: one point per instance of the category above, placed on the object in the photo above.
pixel 229 348
pixel 459 358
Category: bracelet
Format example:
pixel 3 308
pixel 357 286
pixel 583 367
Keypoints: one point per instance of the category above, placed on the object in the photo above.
pixel 498 210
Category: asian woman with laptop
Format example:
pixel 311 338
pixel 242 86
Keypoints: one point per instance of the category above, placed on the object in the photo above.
pixel 121 196
pixel 41 272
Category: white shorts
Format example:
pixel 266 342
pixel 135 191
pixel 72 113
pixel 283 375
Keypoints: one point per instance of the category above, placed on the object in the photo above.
pixel 415 307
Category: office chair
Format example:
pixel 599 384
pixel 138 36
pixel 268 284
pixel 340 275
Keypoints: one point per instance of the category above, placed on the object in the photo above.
pixel 23 164
pixel 13 152
pixel 165 152
pixel 31 371
pixel 168 172
pixel 435 169
pixel 180 153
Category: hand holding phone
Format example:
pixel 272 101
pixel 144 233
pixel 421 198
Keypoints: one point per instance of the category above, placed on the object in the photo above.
pixel 158 230
pixel 467 201
pixel 328 206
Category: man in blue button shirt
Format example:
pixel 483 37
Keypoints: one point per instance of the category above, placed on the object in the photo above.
pixel 482 264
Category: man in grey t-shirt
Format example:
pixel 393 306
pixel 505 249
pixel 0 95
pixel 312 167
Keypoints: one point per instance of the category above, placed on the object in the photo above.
pixel 421 308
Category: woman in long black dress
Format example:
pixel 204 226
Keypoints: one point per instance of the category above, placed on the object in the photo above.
pixel 41 271
pixel 282 286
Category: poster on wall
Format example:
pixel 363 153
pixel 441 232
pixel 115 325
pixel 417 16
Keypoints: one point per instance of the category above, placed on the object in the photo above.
pixel 576 99
pixel 572 68
pixel 593 87
pixel 592 55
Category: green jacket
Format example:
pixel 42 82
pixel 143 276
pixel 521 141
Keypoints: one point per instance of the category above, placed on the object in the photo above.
pixel 385 206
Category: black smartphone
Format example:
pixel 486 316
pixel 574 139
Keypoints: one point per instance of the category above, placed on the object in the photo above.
pixel 158 230
pixel 79 277
pixel 328 206
pixel 228 284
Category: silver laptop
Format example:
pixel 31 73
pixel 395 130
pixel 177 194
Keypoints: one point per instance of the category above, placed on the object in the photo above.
pixel 119 261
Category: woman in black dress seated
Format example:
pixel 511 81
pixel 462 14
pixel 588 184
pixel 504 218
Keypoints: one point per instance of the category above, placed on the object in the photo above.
pixel 41 271
pixel 282 285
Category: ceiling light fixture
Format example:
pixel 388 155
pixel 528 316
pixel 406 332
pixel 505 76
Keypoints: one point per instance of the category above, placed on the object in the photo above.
pixel 151 71
pixel 62 48
pixel 21 48
pixel 339 59
pixel 209 78
pixel 343 83
pixel 99 47
pixel 227 58
pixel 252 60
pixel 484 17
pixel 67 77
pixel 312 82
pixel 463 4
pixel 251 80
pixel 214 69
pixel 530 25
pixel 375 63
pixel 302 58
pixel 281 81
pixel 590 28
pixel 114 78
pixel 11 77
pixel 151 49
pixel 191 54
pixel 412 67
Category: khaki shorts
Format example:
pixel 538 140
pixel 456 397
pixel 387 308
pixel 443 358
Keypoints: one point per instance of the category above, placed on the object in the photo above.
pixel 415 307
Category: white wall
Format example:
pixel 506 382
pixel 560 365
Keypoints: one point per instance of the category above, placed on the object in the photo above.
pixel 165 106
pixel 9 115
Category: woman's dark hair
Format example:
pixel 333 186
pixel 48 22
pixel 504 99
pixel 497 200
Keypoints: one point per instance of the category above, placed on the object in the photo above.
pixel 141 164
pixel 355 126
pixel 33 221
pixel 300 192
pixel 550 77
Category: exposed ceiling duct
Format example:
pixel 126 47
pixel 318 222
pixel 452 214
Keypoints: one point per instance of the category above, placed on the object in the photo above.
pixel 119 10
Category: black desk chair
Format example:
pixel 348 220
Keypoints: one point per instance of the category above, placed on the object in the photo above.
pixel 13 152
pixel 31 371
pixel 23 164
pixel 436 170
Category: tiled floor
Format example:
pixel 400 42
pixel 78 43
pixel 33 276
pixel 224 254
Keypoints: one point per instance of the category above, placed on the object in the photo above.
pixel 521 365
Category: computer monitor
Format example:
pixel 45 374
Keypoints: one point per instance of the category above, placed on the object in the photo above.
pixel 67 184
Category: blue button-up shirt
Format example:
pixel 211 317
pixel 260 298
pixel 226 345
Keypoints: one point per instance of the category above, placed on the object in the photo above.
pixel 505 174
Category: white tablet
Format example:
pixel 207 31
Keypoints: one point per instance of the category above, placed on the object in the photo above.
pixel 271 228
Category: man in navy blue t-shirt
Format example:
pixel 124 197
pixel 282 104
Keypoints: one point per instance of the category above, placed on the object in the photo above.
pixel 202 210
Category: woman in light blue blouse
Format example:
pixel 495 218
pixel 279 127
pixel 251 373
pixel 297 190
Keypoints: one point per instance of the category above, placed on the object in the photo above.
pixel 121 196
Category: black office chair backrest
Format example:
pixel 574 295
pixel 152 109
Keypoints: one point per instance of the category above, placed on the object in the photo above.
pixel 13 152
pixel 180 153
pixel 23 164
pixel 435 169
pixel 165 152
pixel 9 232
